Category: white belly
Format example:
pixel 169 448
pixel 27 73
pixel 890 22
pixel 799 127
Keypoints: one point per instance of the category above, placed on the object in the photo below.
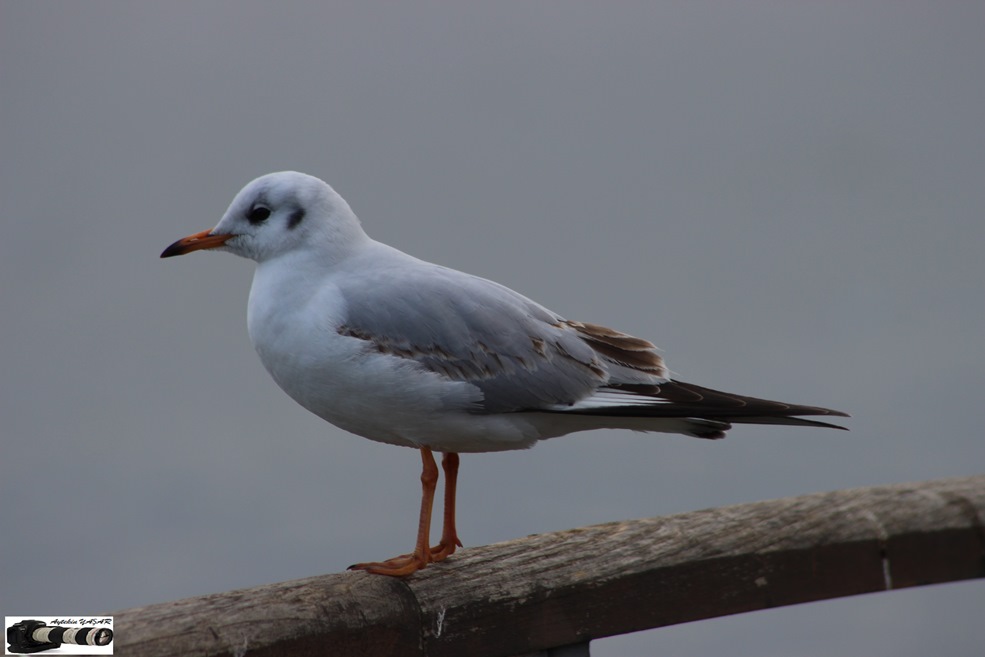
pixel 345 381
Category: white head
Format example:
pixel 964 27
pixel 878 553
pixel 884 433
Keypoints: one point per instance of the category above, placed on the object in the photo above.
pixel 276 214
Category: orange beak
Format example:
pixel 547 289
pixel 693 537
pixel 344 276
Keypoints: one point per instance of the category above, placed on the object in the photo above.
pixel 196 242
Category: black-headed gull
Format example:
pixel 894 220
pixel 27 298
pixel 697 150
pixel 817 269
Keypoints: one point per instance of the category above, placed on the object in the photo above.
pixel 410 353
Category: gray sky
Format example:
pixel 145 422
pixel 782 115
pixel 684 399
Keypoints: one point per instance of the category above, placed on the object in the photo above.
pixel 786 197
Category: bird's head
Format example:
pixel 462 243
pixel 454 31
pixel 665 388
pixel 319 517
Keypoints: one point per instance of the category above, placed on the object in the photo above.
pixel 276 214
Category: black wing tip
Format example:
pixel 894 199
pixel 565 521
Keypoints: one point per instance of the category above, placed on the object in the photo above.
pixel 753 404
pixel 786 420
pixel 687 400
pixel 818 410
pixel 823 425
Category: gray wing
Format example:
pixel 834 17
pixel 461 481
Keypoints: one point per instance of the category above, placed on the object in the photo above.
pixel 519 354
pixel 524 357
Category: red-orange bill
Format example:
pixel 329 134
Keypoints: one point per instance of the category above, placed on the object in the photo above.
pixel 196 242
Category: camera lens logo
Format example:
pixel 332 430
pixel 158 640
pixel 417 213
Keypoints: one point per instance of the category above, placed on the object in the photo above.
pixel 30 636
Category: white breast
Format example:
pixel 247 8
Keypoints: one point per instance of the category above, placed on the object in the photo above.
pixel 293 320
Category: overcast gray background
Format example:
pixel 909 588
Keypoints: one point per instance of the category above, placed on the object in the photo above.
pixel 786 197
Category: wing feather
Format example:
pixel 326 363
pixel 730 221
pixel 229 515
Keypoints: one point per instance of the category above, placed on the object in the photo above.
pixel 523 357
pixel 519 354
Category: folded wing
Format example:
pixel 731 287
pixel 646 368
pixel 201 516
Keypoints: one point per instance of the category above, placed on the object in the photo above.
pixel 525 358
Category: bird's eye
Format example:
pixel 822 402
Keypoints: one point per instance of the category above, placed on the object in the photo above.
pixel 258 214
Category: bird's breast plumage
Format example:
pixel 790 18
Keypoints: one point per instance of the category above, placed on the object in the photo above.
pixel 298 327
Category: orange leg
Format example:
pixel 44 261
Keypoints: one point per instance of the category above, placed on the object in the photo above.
pixel 421 556
pixel 449 536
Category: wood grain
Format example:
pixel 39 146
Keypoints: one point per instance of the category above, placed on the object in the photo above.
pixel 569 587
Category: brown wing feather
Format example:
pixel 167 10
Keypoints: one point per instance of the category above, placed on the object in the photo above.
pixel 622 348
pixel 677 399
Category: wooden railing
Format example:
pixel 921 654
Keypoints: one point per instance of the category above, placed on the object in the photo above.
pixel 551 594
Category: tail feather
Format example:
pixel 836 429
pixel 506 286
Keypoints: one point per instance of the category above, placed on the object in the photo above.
pixel 677 399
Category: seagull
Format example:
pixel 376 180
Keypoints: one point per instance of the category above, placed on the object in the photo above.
pixel 410 353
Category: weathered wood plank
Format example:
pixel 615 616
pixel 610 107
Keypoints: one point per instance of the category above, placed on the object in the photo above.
pixel 569 587
pixel 353 615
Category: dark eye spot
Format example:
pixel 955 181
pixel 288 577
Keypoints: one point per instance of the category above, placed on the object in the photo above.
pixel 295 218
pixel 258 214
